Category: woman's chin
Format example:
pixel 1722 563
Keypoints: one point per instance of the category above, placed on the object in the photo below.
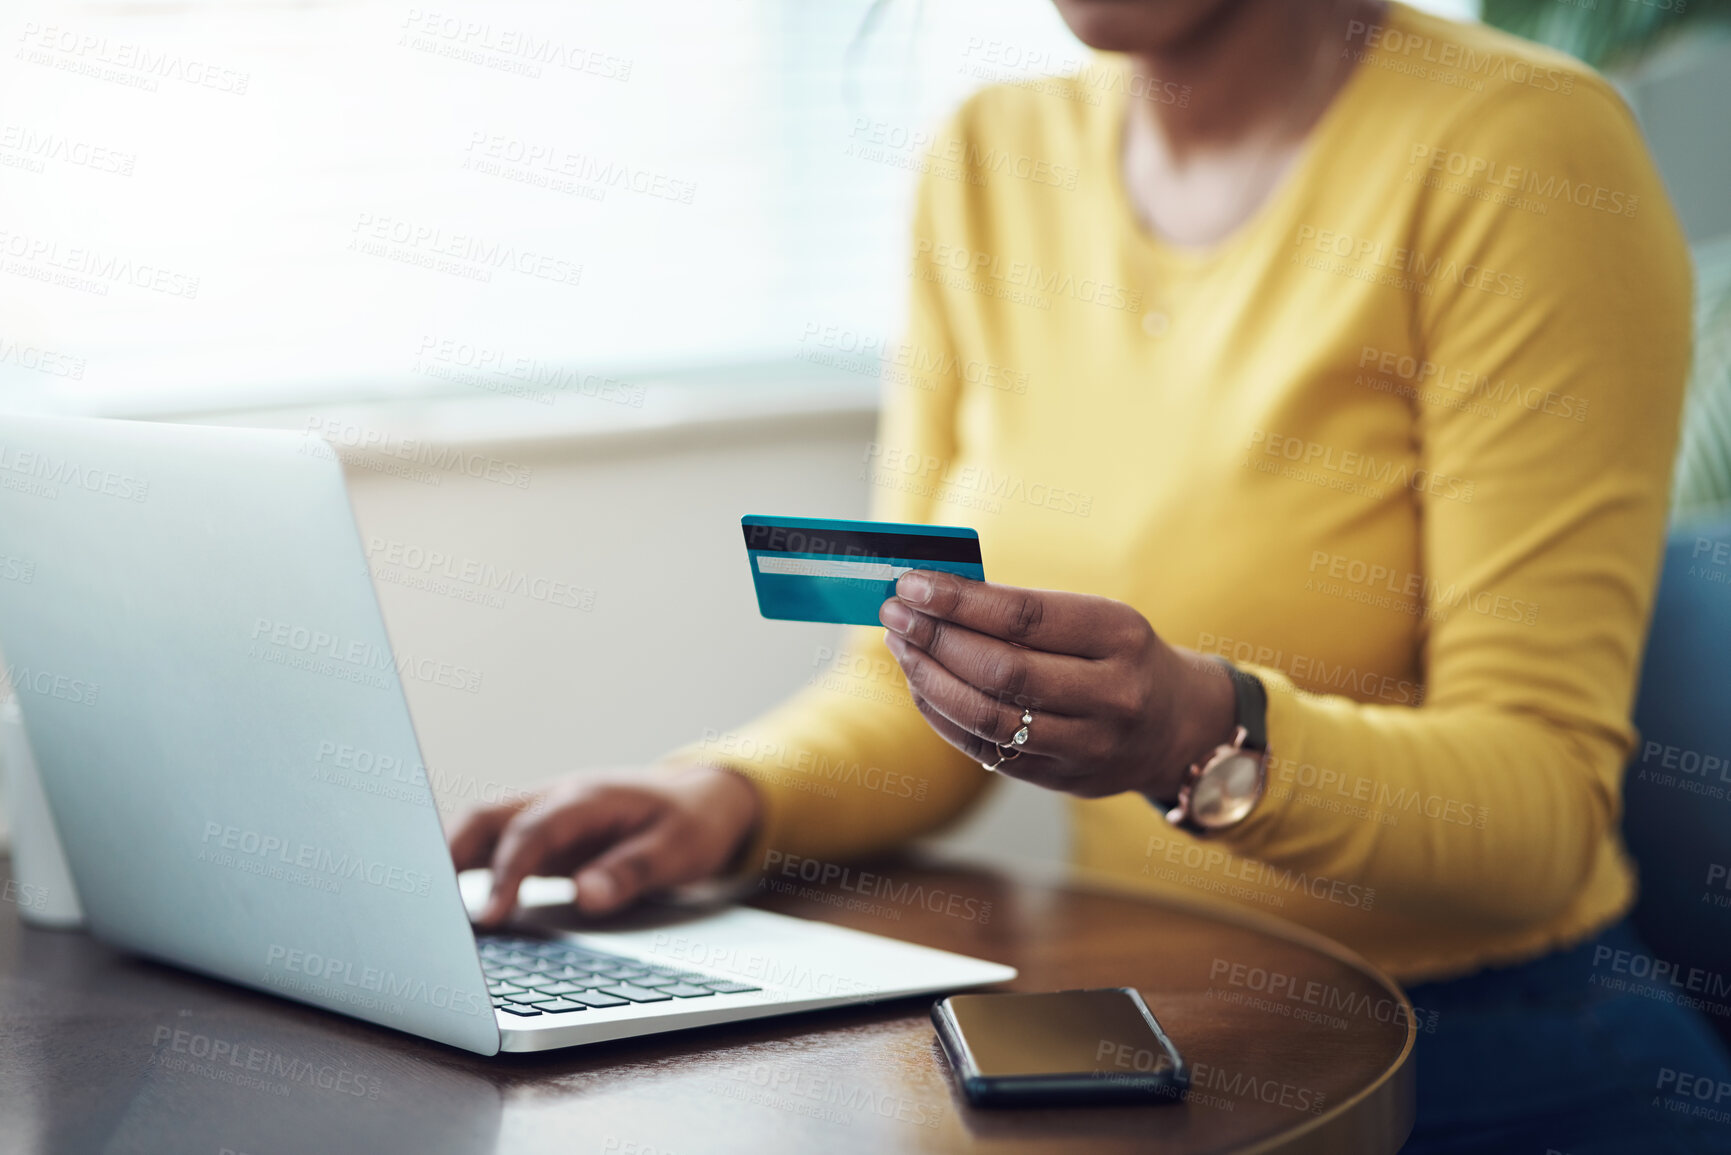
pixel 1138 26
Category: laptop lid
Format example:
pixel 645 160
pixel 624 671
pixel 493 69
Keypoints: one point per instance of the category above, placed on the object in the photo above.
pixel 194 640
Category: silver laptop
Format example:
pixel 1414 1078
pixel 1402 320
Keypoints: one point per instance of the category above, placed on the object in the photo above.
pixel 190 627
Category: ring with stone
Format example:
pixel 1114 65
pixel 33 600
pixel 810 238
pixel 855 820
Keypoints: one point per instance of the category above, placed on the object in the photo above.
pixel 1013 751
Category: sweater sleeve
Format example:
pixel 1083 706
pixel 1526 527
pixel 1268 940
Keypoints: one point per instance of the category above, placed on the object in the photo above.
pixel 847 765
pixel 1543 501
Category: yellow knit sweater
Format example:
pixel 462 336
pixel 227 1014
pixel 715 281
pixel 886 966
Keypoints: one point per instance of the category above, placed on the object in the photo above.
pixel 1400 445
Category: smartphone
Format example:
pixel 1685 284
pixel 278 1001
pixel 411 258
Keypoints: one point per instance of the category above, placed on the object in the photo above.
pixel 1096 1046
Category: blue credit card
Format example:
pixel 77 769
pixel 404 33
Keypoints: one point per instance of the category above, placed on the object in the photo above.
pixel 814 569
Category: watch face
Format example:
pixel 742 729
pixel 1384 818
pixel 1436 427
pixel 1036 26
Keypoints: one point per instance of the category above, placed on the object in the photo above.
pixel 1227 788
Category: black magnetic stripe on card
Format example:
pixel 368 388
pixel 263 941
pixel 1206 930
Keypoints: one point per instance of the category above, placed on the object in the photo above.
pixel 846 543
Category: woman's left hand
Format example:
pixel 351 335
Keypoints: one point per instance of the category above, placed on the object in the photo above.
pixel 1114 707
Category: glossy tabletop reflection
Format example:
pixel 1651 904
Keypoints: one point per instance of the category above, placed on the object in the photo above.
pixel 104 1052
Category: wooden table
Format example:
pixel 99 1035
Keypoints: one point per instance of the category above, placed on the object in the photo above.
pixel 102 1052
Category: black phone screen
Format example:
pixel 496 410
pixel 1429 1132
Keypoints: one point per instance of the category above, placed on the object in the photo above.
pixel 1098 1033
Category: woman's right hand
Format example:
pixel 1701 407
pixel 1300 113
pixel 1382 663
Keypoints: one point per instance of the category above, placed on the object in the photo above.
pixel 620 835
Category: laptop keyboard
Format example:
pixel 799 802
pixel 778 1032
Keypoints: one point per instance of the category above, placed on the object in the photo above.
pixel 531 977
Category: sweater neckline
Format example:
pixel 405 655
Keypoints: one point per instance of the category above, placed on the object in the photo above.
pixel 1286 194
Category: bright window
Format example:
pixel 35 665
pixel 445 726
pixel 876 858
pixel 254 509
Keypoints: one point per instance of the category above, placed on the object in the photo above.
pixel 220 205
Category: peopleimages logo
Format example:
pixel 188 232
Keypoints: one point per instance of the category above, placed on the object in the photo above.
pixel 139 65
pixel 969 484
pixel 1212 859
pixel 1662 980
pixel 448 251
pixel 350 659
pixel 1426 594
pixel 405 562
pixel 249 1065
pixel 1372 798
pixel 815 765
pixel 502 371
pixel 1373 254
pixel 1325 997
pixel 103 268
pixel 49 684
pixel 50 473
pixel 315 859
pixel 34 148
pixel 879 886
pixel 23 894
pixel 507 49
pixel 40 360
pixel 1471 384
pixel 739 963
pixel 551 165
pixel 1236 1086
pixel 1693 771
pixel 310 972
pixel 1494 175
pixel 1451 61
pixel 1026 275
pixel 390 776
pixel 839 347
pixel 1356 467
pixel 1706 1091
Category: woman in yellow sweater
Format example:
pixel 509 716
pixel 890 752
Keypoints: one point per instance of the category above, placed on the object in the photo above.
pixel 1330 347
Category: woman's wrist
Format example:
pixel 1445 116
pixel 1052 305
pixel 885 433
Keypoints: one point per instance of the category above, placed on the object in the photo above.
pixel 1203 714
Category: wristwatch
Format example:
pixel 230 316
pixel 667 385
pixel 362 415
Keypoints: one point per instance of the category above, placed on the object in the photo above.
pixel 1221 790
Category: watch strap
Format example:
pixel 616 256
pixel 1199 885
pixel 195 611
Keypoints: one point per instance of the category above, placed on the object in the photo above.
pixel 1250 715
pixel 1252 705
